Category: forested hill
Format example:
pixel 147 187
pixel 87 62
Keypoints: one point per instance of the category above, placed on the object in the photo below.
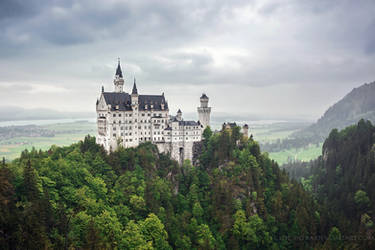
pixel 343 181
pixel 358 104
pixel 78 197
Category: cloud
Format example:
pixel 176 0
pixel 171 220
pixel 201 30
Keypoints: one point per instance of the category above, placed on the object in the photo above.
pixel 278 45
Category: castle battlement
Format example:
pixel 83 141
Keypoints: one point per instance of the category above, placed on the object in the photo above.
pixel 130 119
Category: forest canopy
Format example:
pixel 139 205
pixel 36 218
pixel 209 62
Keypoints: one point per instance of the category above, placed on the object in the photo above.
pixel 136 198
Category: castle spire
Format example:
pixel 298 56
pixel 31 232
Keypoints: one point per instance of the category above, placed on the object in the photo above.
pixel 134 91
pixel 119 80
pixel 118 70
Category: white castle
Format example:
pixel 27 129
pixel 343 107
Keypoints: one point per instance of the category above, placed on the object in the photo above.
pixel 131 119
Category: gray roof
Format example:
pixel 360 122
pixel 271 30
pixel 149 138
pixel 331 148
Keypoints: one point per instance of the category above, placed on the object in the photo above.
pixel 188 123
pixel 135 91
pixel 123 100
pixel 230 124
pixel 155 100
pixel 118 70
pixel 204 96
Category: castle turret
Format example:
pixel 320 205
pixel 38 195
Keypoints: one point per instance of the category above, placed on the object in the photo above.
pixel 119 79
pixel 245 130
pixel 134 95
pixel 179 115
pixel 204 112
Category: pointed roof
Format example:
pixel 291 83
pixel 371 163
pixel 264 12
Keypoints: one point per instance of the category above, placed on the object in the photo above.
pixel 134 91
pixel 204 96
pixel 179 111
pixel 118 70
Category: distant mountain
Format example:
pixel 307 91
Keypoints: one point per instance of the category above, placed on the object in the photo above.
pixel 358 104
pixel 13 113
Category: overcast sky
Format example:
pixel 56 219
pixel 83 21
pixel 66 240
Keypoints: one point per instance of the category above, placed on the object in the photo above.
pixel 276 58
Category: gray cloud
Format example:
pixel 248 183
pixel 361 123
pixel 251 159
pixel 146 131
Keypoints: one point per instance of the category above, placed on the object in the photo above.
pixel 293 47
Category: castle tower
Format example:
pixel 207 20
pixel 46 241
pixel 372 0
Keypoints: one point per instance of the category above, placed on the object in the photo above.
pixel 245 131
pixel 119 80
pixel 204 111
pixel 179 115
pixel 134 95
pixel 135 107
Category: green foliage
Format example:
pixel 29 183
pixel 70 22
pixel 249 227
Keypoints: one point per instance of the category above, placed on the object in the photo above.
pixel 78 197
pixel 361 199
pixel 343 180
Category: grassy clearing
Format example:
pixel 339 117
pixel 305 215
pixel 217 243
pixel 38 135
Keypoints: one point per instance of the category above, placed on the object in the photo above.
pixel 66 134
pixel 302 154
pixel 271 132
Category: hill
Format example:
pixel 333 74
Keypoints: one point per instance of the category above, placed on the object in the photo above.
pixel 343 182
pixel 358 104
pixel 78 197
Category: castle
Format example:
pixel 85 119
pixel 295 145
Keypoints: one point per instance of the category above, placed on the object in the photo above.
pixel 131 119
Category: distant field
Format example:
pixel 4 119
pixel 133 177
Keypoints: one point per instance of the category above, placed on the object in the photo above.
pixel 302 154
pixel 65 134
pixel 68 133
pixel 269 133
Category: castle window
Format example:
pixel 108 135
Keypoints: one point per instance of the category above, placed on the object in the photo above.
pixel 130 115
pixel 130 139
pixel 148 114
pixel 114 115
pixel 126 140
pixel 122 128
pixel 143 114
pixel 122 134
pixel 135 120
pixel 119 115
pixel 139 127
pixel 114 135
pixel 130 133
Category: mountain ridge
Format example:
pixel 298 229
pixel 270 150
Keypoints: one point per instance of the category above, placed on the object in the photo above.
pixel 356 105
